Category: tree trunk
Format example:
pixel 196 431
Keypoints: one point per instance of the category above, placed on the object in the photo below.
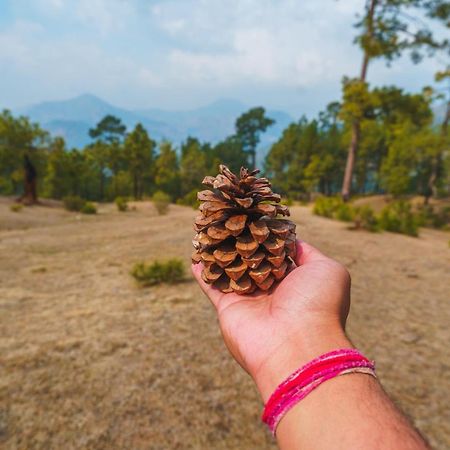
pixel 351 156
pixel 135 187
pixel 437 160
pixel 446 121
pixel 356 127
pixel 252 159
pixel 102 183
pixel 30 183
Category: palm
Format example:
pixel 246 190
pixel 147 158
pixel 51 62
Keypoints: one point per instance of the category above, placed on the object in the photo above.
pixel 255 327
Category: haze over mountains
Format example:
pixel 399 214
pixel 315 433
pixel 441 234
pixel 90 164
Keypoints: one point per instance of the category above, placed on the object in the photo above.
pixel 72 119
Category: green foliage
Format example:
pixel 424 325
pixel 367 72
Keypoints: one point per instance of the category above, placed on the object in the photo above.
pixel 249 127
pixel 77 204
pixel 121 203
pixel 16 207
pixel 190 199
pixel 344 212
pixel 327 206
pixel 364 218
pixel 357 101
pixel 58 179
pixel 193 166
pixel 167 177
pixel 73 203
pixel 139 152
pixel 389 28
pixel 231 153
pixel 399 218
pixel 434 217
pixel 400 153
pixel 110 129
pixel 19 137
pixel 121 185
pixel 161 201
pixel 89 208
pixel 171 271
pixel 309 157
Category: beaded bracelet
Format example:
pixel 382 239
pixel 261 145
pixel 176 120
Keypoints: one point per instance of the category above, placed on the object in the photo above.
pixel 308 377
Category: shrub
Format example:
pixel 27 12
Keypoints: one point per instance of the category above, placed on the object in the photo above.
pixel 16 207
pixel 364 218
pixel 73 203
pixel 121 203
pixel 326 206
pixel 190 199
pixel 399 218
pixel 429 217
pixel 344 212
pixel 89 208
pixel 442 219
pixel 161 201
pixel 171 271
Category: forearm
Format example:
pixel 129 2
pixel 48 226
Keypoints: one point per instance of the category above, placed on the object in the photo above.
pixel 349 411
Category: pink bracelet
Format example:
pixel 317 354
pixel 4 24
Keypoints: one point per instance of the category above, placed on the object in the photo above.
pixel 307 378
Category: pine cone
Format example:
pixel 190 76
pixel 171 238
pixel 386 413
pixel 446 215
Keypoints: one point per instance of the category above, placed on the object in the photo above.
pixel 240 241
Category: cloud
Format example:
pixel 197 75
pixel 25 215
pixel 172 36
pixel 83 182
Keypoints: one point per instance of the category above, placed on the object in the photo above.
pixel 107 16
pixel 187 52
pixel 174 27
pixel 265 42
pixel 148 78
pixel 15 51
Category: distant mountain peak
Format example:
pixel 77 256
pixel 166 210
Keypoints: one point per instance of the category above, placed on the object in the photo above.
pixel 88 98
pixel 73 117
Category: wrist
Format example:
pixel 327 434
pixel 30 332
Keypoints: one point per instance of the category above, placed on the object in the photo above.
pixel 297 351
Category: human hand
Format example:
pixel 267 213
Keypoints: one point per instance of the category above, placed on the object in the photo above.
pixel 272 333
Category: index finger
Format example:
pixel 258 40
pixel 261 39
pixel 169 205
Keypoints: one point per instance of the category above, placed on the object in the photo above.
pixel 219 299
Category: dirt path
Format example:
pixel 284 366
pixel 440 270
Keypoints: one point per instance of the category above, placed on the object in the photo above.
pixel 89 361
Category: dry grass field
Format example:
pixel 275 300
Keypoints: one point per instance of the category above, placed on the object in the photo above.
pixel 90 361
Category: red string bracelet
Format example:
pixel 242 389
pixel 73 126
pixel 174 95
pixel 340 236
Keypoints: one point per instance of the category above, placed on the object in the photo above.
pixel 308 377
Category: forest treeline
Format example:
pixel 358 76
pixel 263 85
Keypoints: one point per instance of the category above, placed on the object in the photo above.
pixel 375 139
pixel 402 151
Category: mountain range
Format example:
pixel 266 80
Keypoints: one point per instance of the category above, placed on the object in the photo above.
pixel 73 118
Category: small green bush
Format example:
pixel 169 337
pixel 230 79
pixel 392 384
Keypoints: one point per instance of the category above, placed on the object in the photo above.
pixel 89 208
pixel 443 219
pixel 161 201
pixel 327 206
pixel 73 203
pixel 344 212
pixel 121 203
pixel 16 207
pixel 364 218
pixel 434 218
pixel 190 199
pixel 399 218
pixel 171 271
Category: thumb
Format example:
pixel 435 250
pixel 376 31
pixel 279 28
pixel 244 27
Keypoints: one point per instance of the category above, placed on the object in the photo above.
pixel 306 253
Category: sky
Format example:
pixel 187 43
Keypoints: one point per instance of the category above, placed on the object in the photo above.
pixel 182 54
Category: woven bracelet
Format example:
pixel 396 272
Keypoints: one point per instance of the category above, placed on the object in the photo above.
pixel 308 377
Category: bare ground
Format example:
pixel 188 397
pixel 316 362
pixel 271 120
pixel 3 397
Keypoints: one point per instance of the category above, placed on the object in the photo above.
pixel 90 361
